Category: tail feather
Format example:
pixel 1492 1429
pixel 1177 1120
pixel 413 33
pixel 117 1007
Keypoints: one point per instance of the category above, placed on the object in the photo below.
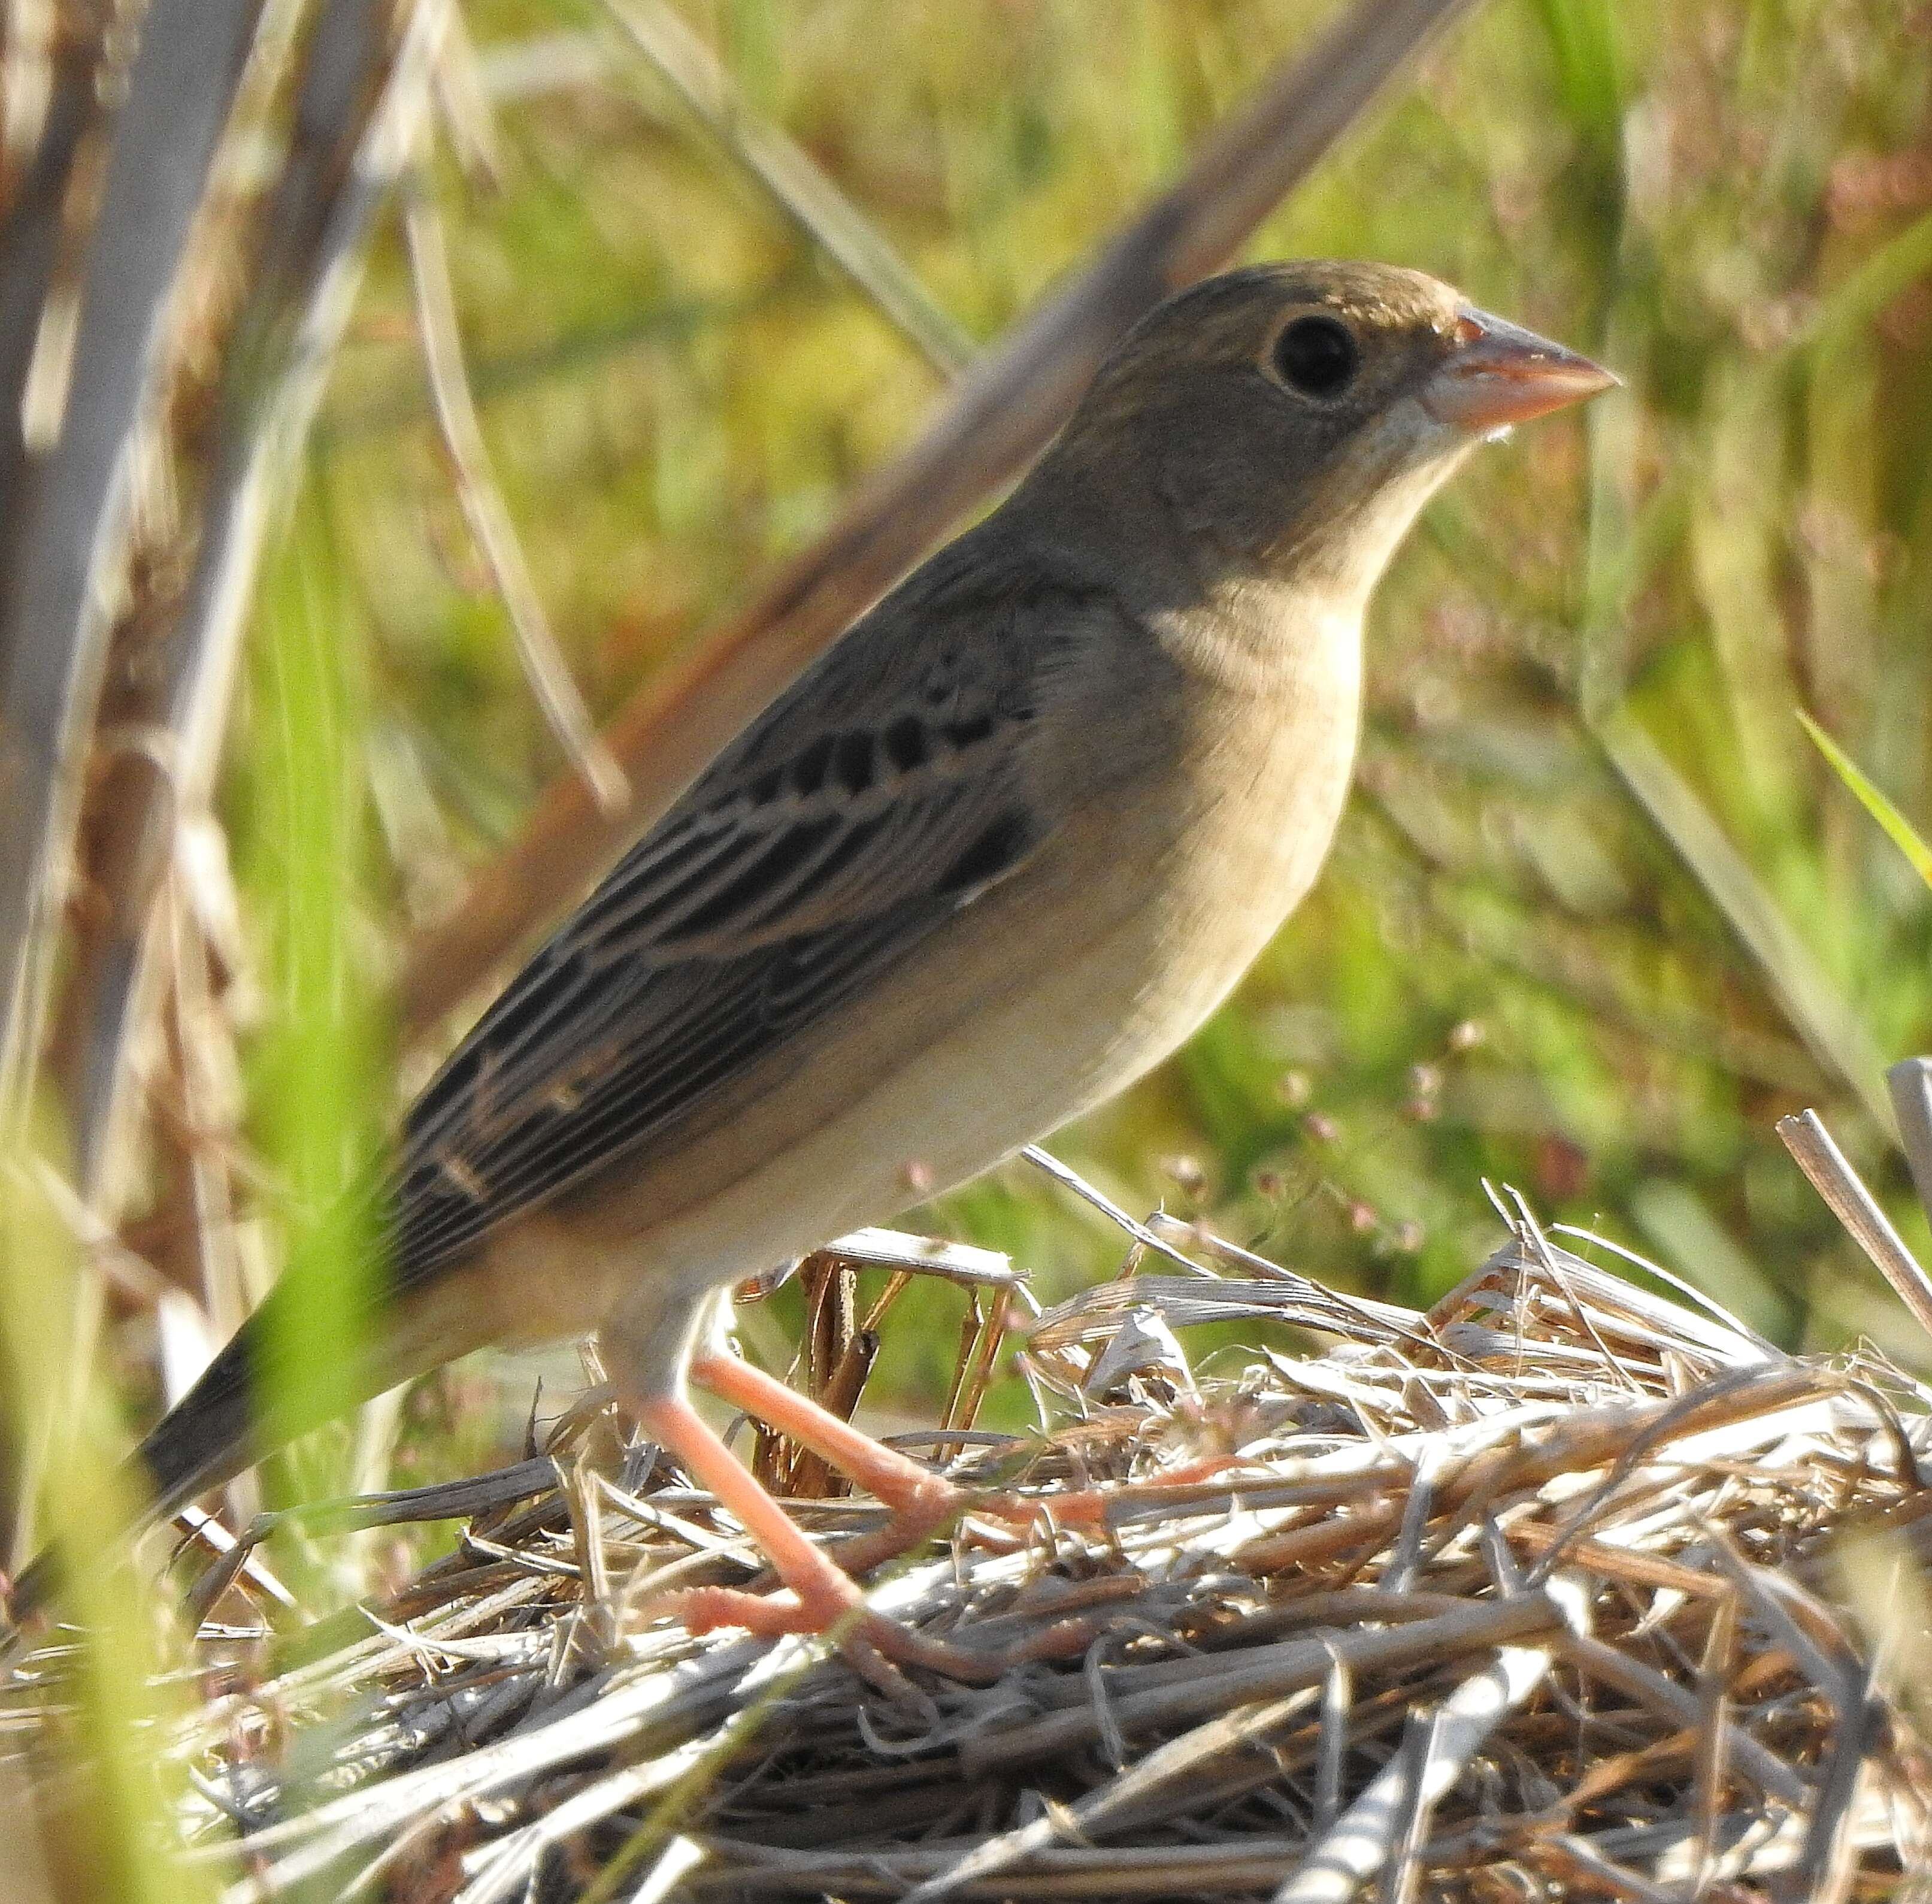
pixel 257 1395
pixel 208 1437
pixel 210 1434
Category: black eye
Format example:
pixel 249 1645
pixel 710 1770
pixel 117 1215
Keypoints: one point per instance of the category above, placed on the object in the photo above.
pixel 1316 356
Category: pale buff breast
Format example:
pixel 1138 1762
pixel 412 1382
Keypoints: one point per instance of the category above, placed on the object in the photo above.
pixel 1049 994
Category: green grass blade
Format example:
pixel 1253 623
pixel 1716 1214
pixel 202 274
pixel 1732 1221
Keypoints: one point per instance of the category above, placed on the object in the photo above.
pixel 1897 827
pixel 1850 308
pixel 1817 1010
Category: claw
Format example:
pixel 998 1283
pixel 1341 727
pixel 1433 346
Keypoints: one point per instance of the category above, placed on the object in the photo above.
pixel 875 1647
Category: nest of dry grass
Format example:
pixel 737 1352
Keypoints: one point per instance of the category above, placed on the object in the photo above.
pixel 1543 1592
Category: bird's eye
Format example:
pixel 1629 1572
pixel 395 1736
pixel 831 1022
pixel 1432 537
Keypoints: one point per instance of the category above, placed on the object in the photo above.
pixel 1317 356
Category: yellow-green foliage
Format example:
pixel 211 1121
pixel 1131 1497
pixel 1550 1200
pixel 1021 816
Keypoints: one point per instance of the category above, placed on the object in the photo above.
pixel 109 1804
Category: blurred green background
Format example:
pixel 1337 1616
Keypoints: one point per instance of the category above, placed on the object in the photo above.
pixel 1598 915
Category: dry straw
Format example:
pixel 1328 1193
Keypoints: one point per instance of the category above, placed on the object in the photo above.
pixel 1539 1592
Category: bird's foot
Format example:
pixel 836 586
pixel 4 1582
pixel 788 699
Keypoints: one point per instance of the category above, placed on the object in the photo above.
pixel 874 1646
pixel 1089 1507
pixel 922 1502
pixel 917 1515
pixel 936 1504
pixel 819 1595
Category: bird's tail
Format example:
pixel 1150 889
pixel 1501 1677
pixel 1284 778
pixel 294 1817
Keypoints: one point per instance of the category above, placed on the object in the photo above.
pixel 261 1391
pixel 208 1437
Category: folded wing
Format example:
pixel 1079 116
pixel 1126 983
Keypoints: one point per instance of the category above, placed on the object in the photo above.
pixel 883 792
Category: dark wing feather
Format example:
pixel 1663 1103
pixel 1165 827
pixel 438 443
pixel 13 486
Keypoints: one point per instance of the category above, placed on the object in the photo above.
pixel 880 793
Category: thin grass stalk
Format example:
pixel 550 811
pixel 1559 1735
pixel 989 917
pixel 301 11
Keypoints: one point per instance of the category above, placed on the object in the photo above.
pixel 360 103
pixel 1829 1172
pixel 790 178
pixel 1818 1011
pixel 60 597
pixel 488 516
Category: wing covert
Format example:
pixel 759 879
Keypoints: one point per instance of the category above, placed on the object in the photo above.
pixel 883 791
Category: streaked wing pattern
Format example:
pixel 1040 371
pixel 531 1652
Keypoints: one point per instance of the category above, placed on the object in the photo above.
pixel 859 813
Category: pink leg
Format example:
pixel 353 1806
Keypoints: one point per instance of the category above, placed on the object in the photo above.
pixel 917 1494
pixel 820 1597
pixel 921 1500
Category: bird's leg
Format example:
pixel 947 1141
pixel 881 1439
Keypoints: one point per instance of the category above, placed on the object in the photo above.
pixel 649 1346
pixel 921 1501
pixel 820 1597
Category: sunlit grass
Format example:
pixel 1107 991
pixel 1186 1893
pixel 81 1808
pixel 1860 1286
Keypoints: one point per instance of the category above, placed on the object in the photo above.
pixel 1897 829
pixel 103 1789
pixel 320 1072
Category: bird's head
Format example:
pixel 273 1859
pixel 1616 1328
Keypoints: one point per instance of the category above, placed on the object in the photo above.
pixel 1290 420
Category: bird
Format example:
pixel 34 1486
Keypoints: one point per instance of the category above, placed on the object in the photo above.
pixel 994 854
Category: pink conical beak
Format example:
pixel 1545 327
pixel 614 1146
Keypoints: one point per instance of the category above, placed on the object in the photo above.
pixel 1497 373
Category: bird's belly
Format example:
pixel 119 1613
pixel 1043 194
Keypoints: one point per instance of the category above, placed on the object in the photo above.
pixel 1040 1000
pixel 1052 990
